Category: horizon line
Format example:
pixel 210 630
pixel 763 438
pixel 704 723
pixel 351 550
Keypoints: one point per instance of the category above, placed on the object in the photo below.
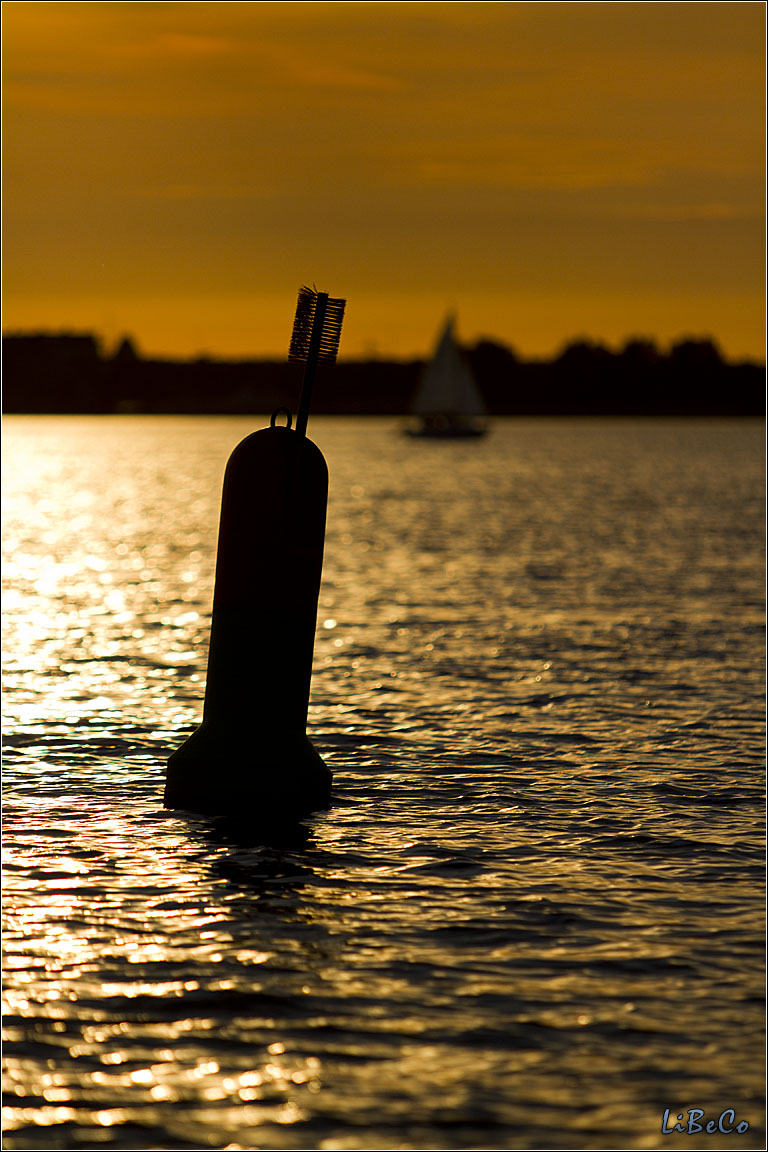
pixel 376 355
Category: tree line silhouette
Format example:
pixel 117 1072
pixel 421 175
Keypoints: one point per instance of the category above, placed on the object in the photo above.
pixel 71 373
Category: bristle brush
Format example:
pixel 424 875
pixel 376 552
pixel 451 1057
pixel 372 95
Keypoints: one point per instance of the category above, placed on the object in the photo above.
pixel 316 335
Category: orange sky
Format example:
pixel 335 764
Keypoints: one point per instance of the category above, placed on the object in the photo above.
pixel 549 171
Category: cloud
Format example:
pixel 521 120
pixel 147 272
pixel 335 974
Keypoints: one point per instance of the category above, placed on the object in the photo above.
pixel 171 46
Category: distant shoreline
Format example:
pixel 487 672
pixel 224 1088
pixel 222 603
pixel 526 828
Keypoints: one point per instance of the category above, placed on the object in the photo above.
pixel 69 373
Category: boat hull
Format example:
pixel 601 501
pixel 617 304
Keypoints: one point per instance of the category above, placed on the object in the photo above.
pixel 445 433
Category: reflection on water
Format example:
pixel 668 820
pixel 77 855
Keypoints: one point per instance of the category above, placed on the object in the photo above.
pixel 532 916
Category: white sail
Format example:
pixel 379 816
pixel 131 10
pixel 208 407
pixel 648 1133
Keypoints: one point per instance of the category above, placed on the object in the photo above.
pixel 447 387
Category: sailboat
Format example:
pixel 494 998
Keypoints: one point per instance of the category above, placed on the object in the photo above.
pixel 447 400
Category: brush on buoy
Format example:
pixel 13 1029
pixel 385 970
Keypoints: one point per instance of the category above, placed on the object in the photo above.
pixel 251 755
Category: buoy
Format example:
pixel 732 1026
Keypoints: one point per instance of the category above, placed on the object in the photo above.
pixel 251 756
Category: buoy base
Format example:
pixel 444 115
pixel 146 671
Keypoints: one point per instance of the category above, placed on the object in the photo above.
pixel 220 773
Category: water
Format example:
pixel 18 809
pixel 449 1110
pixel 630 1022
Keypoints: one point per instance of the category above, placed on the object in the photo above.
pixel 532 918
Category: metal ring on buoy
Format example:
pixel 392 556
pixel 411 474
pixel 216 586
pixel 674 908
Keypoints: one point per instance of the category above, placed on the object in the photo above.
pixel 275 415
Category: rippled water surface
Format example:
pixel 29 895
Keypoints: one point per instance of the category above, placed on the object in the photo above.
pixel 532 917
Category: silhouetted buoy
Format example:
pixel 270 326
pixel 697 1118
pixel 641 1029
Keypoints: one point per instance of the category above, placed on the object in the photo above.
pixel 251 756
